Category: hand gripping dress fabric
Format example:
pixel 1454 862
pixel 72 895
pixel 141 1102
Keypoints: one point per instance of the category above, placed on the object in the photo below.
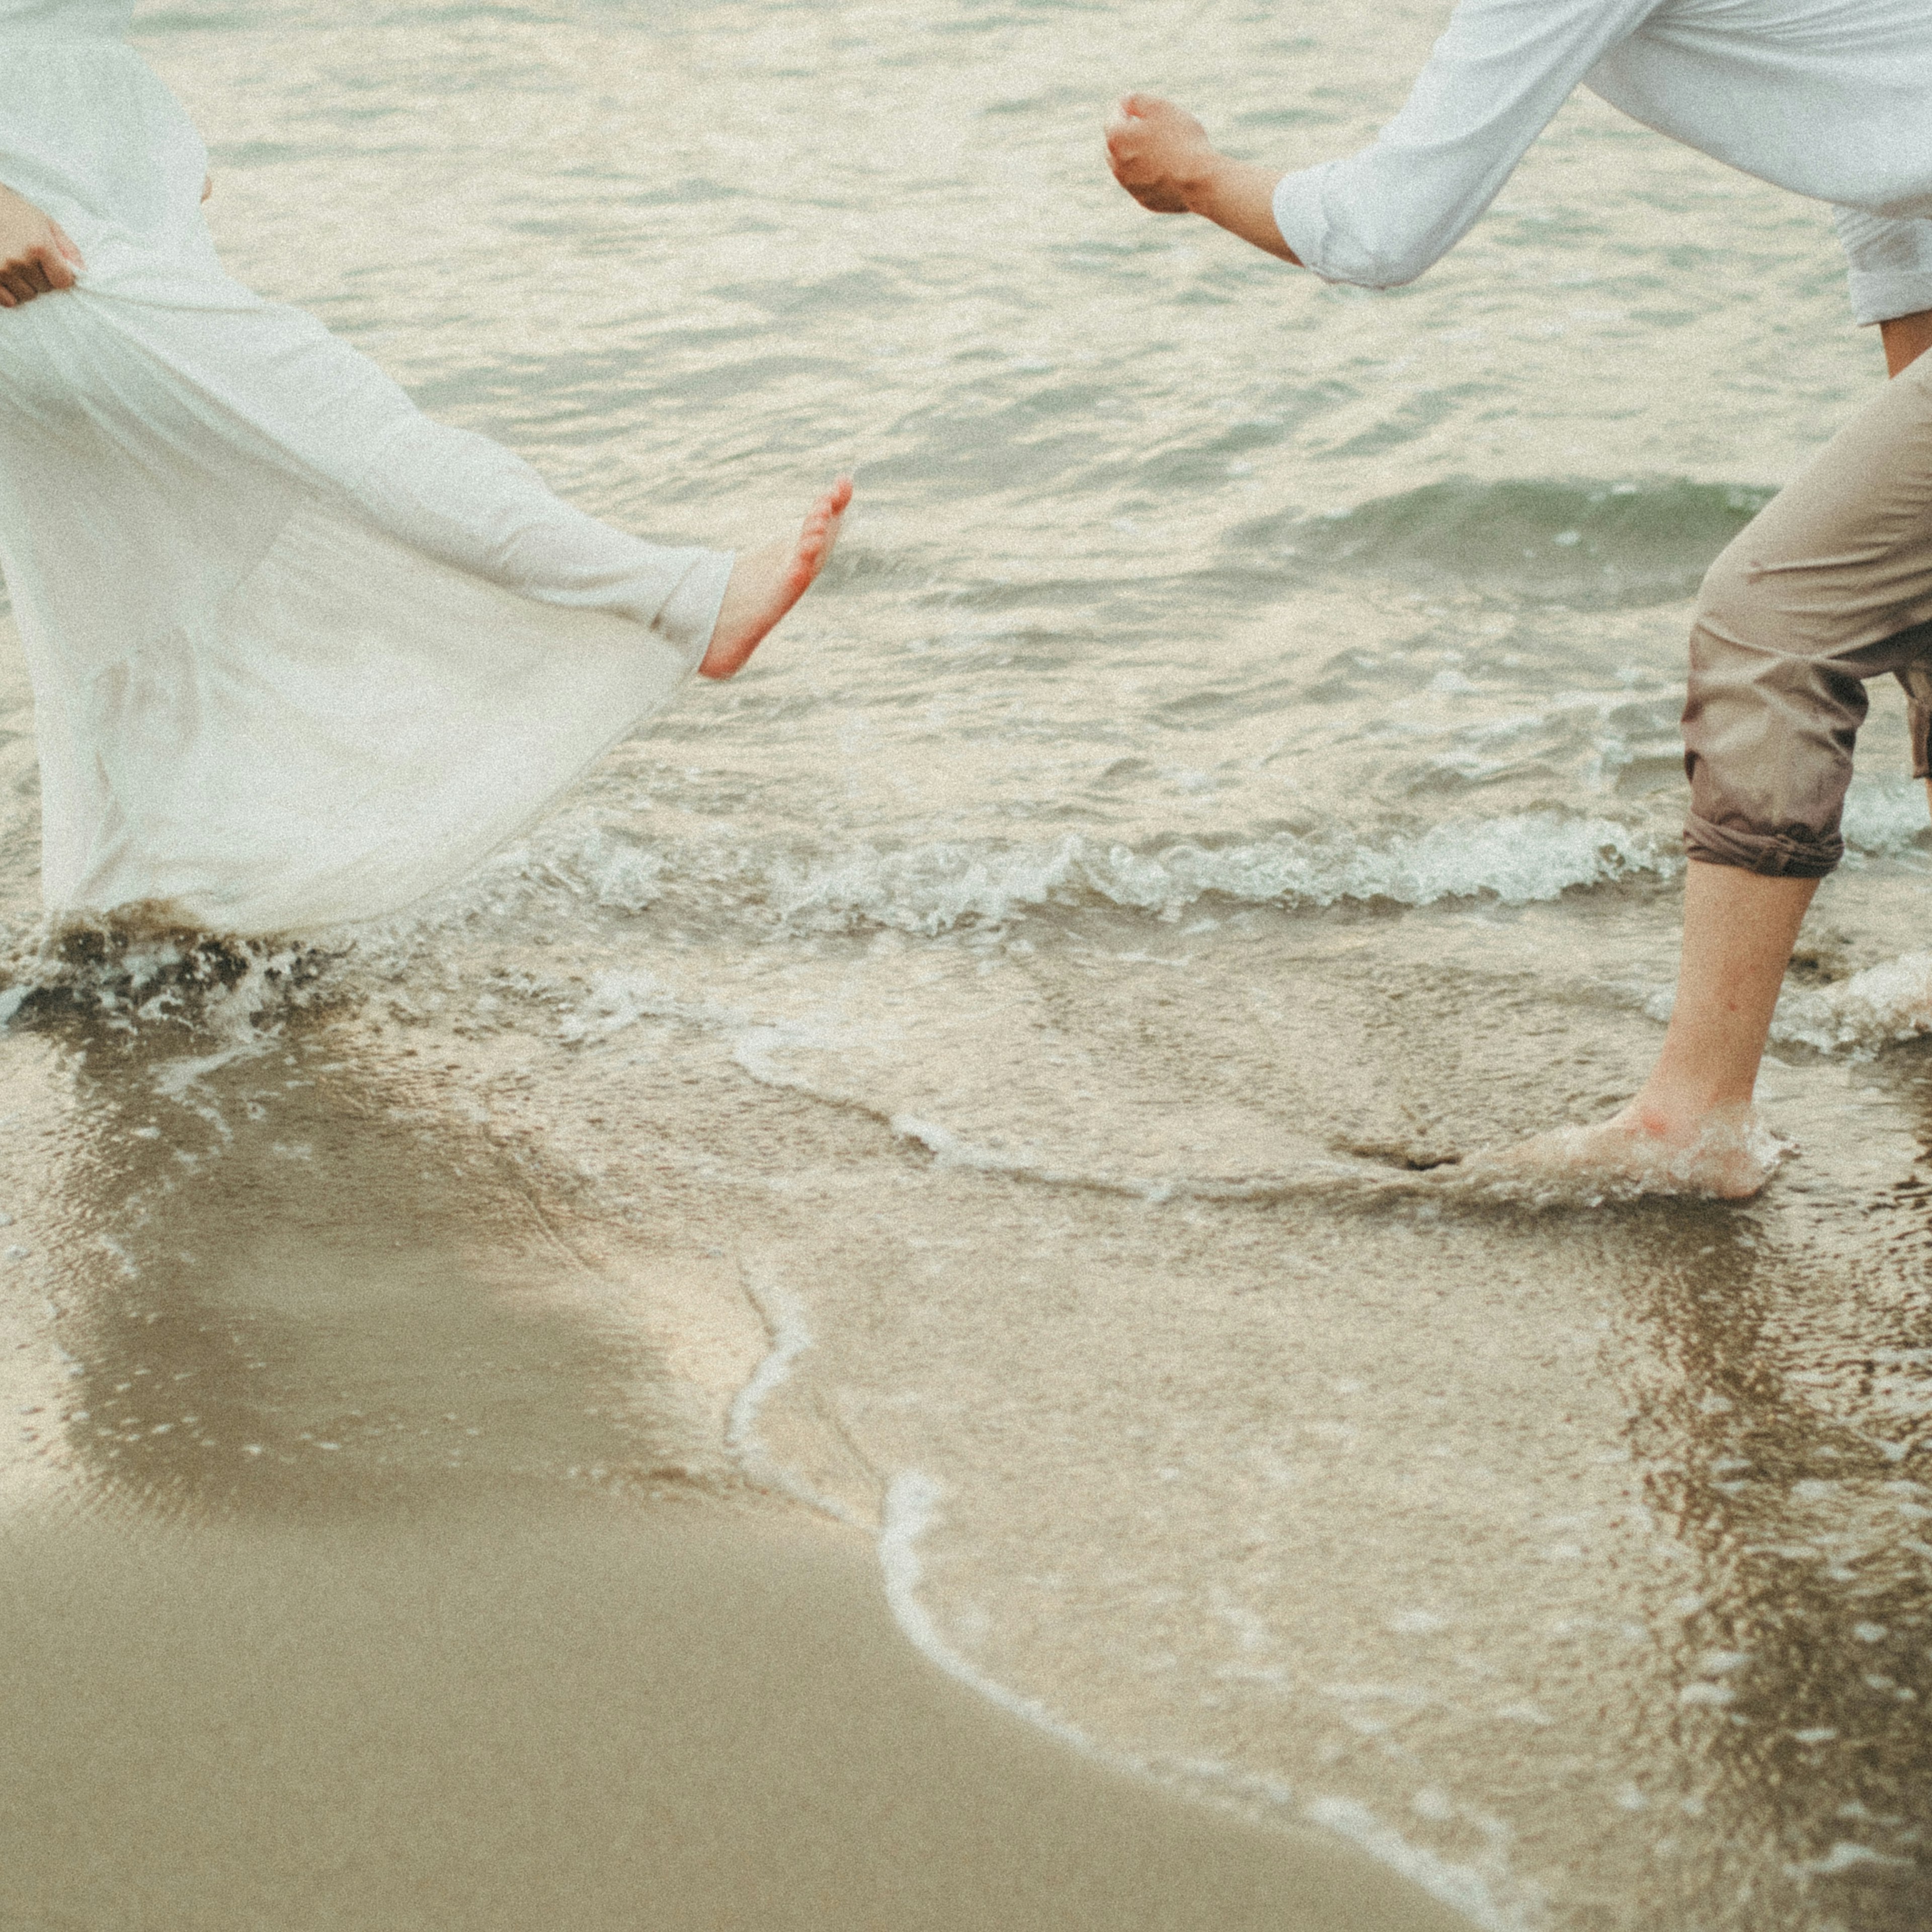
pixel 300 655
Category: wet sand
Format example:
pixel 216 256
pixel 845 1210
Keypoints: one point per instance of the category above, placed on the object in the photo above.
pixel 365 1562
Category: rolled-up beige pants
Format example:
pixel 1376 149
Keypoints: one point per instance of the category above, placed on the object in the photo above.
pixel 1830 585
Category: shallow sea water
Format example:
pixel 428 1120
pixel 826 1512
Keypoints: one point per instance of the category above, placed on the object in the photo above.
pixel 1230 772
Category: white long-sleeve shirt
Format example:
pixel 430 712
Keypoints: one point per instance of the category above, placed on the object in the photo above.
pixel 1831 98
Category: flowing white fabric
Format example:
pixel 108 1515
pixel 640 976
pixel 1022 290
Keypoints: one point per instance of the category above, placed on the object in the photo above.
pixel 1832 98
pixel 299 655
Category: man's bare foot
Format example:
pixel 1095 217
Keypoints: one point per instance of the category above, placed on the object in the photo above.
pixel 1727 1154
pixel 767 583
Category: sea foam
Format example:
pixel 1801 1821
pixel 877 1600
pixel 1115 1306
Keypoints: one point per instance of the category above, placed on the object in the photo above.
pixel 932 888
pixel 1889 1002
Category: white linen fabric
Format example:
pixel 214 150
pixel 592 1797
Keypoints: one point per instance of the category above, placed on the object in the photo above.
pixel 1832 98
pixel 299 654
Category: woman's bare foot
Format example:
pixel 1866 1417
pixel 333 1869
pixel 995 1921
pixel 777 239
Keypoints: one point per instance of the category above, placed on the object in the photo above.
pixel 1726 1154
pixel 767 583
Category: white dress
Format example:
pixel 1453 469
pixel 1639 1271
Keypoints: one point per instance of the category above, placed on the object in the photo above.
pixel 299 655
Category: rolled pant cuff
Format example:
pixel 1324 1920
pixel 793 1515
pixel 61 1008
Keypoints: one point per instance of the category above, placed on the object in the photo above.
pixel 1763 852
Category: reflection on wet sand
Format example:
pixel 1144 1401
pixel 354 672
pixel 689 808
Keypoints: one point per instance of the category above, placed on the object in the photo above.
pixel 1783 1422
pixel 375 1568
pixel 299 1286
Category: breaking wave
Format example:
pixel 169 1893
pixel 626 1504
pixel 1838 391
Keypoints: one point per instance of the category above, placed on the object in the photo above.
pixel 940 886
pixel 931 888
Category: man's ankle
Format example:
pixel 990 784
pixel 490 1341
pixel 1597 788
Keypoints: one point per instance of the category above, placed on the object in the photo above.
pixel 1678 1115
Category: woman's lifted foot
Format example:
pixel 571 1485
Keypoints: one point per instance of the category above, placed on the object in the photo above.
pixel 767 582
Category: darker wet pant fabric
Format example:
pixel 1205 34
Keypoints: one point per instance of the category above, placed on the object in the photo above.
pixel 1829 586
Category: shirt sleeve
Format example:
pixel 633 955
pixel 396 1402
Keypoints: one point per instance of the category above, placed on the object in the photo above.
pixel 1891 263
pixel 1491 84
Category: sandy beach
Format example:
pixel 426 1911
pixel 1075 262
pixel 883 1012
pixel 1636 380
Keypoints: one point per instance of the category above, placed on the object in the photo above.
pixel 361 1566
pixel 883 1322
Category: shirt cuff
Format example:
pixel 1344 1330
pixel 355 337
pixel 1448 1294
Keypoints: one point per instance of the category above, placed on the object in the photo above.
pixel 1298 214
pixel 1890 258
pixel 1883 294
